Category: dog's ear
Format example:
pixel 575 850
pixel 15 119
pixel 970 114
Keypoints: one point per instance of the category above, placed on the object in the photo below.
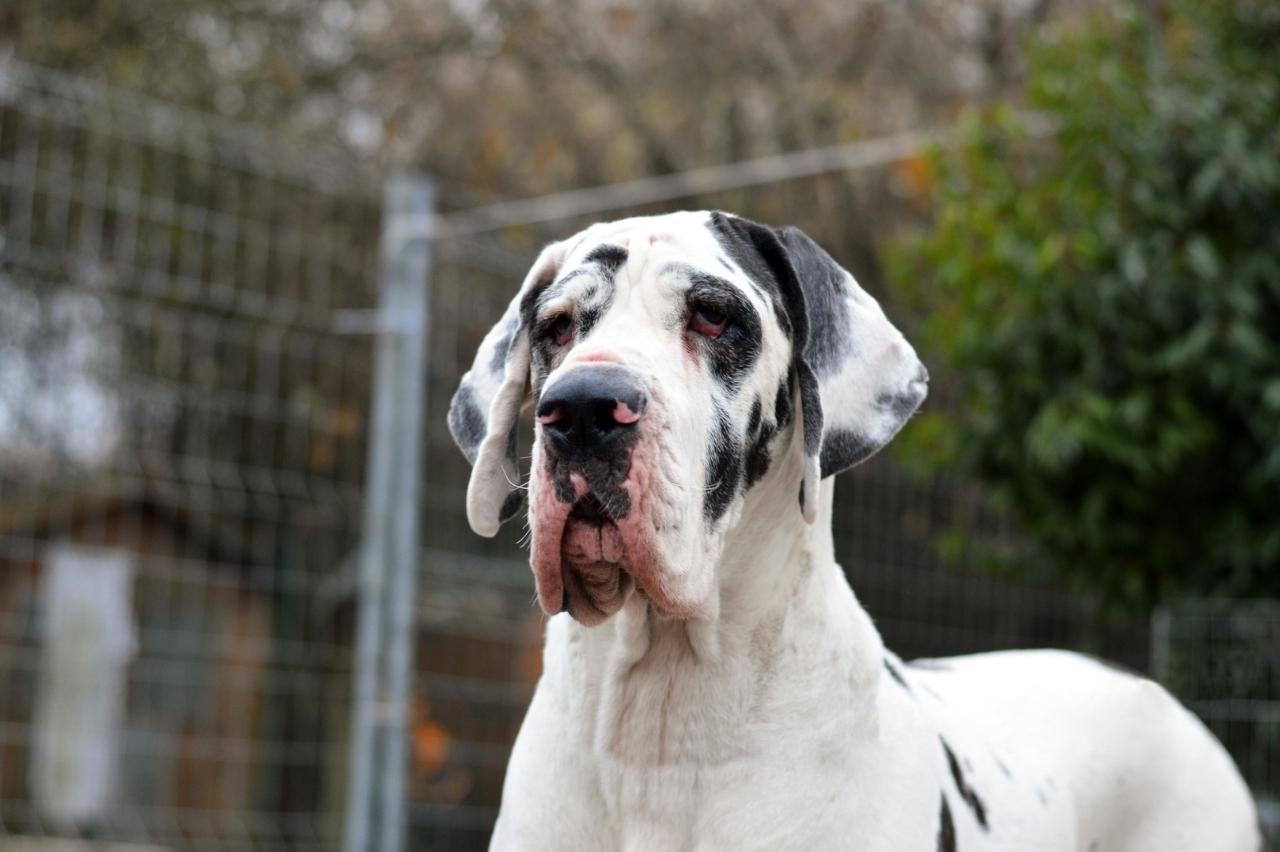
pixel 858 378
pixel 485 411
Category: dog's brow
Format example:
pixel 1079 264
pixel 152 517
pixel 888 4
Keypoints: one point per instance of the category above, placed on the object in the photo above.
pixel 688 270
pixel 559 285
pixel 704 280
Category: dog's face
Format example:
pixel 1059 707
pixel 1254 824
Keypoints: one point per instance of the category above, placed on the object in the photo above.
pixel 671 363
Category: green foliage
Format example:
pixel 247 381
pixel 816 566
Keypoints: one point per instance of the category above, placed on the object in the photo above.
pixel 1106 300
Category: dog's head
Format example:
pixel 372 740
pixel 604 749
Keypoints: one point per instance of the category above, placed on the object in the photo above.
pixel 673 364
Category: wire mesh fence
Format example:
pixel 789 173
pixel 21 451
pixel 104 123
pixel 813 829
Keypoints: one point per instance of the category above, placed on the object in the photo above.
pixel 182 452
pixel 186 370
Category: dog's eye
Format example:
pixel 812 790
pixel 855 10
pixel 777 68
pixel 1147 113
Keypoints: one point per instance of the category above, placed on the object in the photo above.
pixel 560 330
pixel 708 321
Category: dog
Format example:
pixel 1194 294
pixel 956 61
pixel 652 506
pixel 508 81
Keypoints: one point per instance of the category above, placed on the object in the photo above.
pixel 710 681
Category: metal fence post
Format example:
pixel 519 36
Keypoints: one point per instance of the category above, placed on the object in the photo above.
pixel 383 665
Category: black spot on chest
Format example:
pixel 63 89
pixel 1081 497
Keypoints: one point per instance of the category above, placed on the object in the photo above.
pixel 946 828
pixel 966 792
pixel 895 674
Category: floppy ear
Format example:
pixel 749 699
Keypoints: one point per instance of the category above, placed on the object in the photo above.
pixel 485 411
pixel 859 380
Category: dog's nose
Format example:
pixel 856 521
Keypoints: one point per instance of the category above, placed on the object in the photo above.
pixel 591 409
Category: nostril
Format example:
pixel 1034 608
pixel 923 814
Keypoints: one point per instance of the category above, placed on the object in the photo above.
pixel 554 415
pixel 624 414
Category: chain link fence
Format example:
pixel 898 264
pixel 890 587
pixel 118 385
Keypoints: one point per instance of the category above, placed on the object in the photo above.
pixel 189 322
pixel 182 455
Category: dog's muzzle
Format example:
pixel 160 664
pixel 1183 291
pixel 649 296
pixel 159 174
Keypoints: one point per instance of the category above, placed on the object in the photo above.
pixel 590 419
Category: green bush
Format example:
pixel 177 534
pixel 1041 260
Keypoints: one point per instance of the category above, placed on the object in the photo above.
pixel 1105 302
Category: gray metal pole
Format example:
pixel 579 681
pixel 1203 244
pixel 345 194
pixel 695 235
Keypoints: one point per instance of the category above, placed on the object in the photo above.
pixel 408 197
pixel 383 663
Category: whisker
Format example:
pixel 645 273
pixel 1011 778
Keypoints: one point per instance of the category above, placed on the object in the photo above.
pixel 524 487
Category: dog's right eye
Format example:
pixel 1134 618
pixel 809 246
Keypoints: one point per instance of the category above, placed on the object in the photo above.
pixel 559 330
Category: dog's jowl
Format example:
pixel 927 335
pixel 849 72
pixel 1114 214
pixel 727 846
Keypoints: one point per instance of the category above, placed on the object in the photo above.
pixel 710 680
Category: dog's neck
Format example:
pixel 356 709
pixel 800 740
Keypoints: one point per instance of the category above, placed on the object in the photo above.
pixel 658 691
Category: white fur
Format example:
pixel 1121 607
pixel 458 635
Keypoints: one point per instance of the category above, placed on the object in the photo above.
pixel 767 720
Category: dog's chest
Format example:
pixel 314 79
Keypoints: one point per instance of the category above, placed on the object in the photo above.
pixel 744 768
pixel 810 793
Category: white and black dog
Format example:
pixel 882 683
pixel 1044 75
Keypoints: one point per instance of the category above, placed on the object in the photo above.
pixel 710 682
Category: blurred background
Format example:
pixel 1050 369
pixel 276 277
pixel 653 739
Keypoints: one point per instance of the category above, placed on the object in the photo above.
pixel 240 607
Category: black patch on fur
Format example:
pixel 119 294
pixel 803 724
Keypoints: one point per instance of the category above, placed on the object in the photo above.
pixel 782 404
pixel 609 257
pixel 604 482
pixel 825 291
pixel 466 421
pixel 967 793
pixel 1003 769
pixel 753 419
pixel 558 473
pixel 539 356
pixel 498 363
pixel 946 828
pixel 541 372
pixel 529 301
pixel 898 405
pixel 593 306
pixel 511 506
pixel 895 674
pixel 724 469
pixel 902 404
pixel 843 448
pixel 760 434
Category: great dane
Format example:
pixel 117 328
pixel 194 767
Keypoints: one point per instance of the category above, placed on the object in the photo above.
pixel 710 681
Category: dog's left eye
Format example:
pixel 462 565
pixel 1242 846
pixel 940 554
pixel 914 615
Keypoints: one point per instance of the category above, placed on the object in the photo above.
pixel 708 321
